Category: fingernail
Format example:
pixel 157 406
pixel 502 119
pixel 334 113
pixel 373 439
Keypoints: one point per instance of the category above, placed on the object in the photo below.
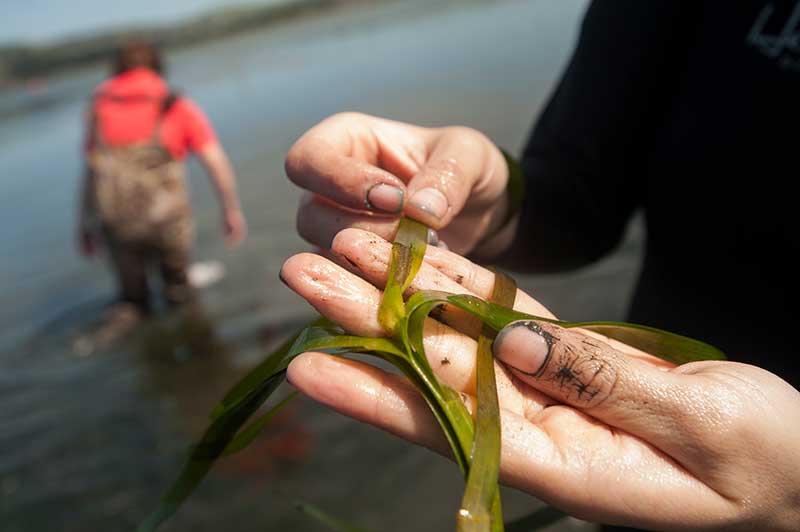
pixel 433 240
pixel 433 237
pixel 431 201
pixel 525 346
pixel 385 198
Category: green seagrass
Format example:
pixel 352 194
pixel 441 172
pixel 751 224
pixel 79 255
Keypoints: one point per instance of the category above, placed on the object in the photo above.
pixel 477 452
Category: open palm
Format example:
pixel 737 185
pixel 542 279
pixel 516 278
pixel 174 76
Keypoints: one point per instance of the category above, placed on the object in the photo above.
pixel 588 446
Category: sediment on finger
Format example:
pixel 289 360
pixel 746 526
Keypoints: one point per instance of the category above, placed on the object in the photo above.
pixel 315 165
pixel 571 366
pixel 478 280
pixel 442 270
pixel 628 394
pixel 452 357
pixel 337 294
pixel 353 303
pixel 370 254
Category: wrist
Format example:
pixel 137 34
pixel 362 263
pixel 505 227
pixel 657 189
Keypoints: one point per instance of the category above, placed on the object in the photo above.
pixel 231 208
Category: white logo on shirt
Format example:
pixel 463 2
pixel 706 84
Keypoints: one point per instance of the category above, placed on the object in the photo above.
pixel 784 46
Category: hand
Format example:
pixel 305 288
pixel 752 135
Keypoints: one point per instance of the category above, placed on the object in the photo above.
pixel 362 171
pixel 589 425
pixel 234 226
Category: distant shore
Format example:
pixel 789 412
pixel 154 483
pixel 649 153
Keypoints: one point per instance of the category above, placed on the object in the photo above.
pixel 23 62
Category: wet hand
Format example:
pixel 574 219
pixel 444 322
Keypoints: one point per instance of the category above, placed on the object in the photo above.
pixel 590 425
pixel 362 171
pixel 234 226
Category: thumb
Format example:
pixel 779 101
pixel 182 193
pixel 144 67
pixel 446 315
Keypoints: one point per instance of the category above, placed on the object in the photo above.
pixel 462 165
pixel 590 375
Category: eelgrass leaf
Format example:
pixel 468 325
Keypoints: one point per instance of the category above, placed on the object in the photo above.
pixel 405 322
pixel 268 367
pixel 445 403
pixel 413 235
pixel 321 516
pixel 228 417
pixel 662 344
pixel 480 506
pixel 342 343
pixel 408 251
pixel 405 350
pixel 454 418
pixel 211 446
pixel 248 434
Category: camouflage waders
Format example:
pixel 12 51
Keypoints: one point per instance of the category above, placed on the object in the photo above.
pixel 140 199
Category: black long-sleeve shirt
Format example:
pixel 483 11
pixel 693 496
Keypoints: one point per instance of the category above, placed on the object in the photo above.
pixel 690 111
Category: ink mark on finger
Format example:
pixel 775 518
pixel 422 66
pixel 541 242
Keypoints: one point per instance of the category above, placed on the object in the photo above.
pixel 585 373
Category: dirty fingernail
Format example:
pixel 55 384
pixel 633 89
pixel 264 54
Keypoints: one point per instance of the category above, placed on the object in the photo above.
pixel 431 201
pixel 385 198
pixel 433 237
pixel 524 346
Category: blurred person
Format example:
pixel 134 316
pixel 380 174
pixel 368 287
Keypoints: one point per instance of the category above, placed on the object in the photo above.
pixel 681 110
pixel 134 195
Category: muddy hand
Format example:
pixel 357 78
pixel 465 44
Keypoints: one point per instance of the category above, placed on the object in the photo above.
pixel 234 227
pixel 586 426
pixel 362 171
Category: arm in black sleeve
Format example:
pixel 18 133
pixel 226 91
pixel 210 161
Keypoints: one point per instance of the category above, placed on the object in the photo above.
pixel 585 160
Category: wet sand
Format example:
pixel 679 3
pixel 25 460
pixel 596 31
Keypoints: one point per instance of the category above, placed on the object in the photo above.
pixel 90 443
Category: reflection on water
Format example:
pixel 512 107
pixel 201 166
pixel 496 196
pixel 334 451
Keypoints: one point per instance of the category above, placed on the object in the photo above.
pixel 89 443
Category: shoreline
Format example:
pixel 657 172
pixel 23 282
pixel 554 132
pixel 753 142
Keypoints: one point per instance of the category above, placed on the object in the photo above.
pixel 24 63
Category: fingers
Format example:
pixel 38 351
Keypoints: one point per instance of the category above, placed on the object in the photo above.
pixel 442 269
pixel 564 457
pixel 368 255
pixel 317 164
pixel 586 373
pixel 336 294
pixel 353 303
pixel 235 228
pixel 319 220
pixel 368 394
pixel 390 402
pixel 463 164
pixel 369 164
pixel 478 280
pixel 358 161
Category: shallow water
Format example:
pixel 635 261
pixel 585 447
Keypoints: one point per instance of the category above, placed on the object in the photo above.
pixel 90 443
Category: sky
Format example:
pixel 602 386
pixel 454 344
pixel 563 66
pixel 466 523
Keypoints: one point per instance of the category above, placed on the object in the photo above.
pixel 45 20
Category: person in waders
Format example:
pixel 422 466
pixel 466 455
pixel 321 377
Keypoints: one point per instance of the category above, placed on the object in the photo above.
pixel 134 195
